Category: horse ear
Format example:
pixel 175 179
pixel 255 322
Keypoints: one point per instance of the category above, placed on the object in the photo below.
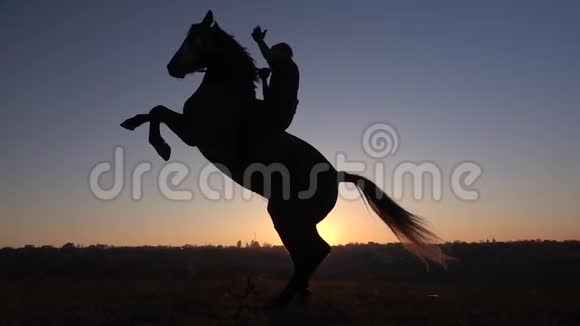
pixel 208 19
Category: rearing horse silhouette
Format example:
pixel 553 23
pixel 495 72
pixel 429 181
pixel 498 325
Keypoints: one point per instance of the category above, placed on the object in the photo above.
pixel 222 118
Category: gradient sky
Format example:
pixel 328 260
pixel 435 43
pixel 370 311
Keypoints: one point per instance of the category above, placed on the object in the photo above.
pixel 494 82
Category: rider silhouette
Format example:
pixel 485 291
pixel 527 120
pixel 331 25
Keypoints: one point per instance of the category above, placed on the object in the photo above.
pixel 280 96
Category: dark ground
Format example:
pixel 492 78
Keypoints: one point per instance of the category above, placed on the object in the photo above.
pixel 523 283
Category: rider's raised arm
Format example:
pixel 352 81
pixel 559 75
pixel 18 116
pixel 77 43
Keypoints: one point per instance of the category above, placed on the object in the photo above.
pixel 265 50
pixel 258 36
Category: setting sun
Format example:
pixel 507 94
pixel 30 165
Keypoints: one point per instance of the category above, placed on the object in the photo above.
pixel 330 231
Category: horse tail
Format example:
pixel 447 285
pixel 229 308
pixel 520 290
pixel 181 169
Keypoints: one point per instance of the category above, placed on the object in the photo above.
pixel 410 229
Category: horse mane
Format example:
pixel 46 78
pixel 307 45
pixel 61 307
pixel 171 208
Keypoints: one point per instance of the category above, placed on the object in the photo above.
pixel 243 61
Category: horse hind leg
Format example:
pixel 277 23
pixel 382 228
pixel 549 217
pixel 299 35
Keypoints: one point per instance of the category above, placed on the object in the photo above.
pixel 307 250
pixel 309 260
pixel 305 246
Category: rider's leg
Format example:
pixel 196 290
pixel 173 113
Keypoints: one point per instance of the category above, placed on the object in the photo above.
pixel 280 114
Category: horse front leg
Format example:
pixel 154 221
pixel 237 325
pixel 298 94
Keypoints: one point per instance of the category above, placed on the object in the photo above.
pixel 136 121
pixel 161 114
pixel 155 139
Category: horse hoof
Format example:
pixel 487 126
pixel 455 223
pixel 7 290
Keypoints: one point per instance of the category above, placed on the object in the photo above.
pixel 163 150
pixel 134 122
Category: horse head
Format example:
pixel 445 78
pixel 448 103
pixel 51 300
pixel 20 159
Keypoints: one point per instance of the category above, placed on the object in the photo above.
pixel 207 46
pixel 196 50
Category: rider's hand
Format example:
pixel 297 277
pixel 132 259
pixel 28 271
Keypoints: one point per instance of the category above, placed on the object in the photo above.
pixel 258 35
pixel 264 73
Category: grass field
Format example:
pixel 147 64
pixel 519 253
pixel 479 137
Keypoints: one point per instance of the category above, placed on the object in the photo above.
pixel 520 283
pixel 233 302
